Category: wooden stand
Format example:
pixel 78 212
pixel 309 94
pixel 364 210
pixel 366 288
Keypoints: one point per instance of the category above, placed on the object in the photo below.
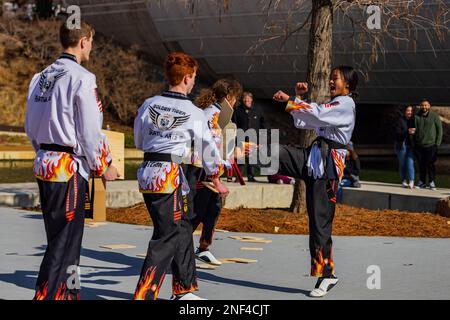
pixel 99 199
pixel 116 144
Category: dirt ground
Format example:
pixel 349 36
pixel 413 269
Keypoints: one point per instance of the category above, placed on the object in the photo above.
pixel 348 221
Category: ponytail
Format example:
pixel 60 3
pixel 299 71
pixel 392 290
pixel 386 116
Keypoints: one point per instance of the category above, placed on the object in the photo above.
pixel 206 98
pixel 218 92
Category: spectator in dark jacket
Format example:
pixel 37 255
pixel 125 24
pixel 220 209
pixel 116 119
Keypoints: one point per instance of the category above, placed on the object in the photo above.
pixel 404 146
pixel 248 116
pixel 427 139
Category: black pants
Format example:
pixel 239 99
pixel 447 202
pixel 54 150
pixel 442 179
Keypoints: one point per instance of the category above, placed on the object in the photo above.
pixel 204 205
pixel 170 245
pixel 63 212
pixel 250 169
pixel 320 203
pixel 193 175
pixel 426 158
pixel 207 207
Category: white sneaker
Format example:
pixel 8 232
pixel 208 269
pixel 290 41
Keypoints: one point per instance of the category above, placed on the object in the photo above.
pixel 433 186
pixel 405 184
pixel 322 287
pixel 207 257
pixel 186 296
pixel 411 184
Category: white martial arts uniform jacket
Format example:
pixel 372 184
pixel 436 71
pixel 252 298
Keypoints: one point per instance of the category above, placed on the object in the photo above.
pixel 212 114
pixel 63 108
pixel 170 124
pixel 334 120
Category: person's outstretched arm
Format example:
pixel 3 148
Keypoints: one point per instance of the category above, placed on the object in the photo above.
pixel 312 115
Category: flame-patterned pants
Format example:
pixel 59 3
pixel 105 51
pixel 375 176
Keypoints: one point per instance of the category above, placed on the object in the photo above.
pixel 62 206
pixel 170 246
pixel 320 203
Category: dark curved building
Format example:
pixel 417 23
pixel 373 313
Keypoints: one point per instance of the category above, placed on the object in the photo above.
pixel 220 39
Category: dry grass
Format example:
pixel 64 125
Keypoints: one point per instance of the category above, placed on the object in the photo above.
pixel 124 77
pixel 349 221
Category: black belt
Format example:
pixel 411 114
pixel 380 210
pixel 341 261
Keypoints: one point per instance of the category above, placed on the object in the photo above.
pixel 56 148
pixel 325 146
pixel 163 157
pixel 330 143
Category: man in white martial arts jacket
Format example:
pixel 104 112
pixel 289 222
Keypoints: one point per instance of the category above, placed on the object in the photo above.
pixel 63 122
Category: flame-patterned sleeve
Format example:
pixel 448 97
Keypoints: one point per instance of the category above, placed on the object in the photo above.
pixel 334 113
pixel 88 123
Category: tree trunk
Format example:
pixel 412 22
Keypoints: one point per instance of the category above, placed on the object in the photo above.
pixel 318 75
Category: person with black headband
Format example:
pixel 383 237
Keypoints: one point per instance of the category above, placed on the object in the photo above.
pixel 322 164
pixel 63 122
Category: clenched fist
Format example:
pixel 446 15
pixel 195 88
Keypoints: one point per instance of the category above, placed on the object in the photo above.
pixel 280 96
pixel 301 88
pixel 111 173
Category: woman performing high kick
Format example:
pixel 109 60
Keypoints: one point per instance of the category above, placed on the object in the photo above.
pixel 322 164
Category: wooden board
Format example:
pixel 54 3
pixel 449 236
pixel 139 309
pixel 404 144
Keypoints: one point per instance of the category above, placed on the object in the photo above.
pixel 94 224
pixel 197 233
pixel 210 186
pixel 117 146
pixel 226 261
pixel 229 140
pixel 99 198
pixel 226 113
pixel 256 241
pixel 252 238
pixel 246 238
pixel 251 249
pixel 205 266
pixel 241 260
pixel 221 230
pixel 235 237
pixel 117 246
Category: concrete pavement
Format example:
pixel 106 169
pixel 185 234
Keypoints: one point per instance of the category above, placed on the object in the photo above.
pixel 411 268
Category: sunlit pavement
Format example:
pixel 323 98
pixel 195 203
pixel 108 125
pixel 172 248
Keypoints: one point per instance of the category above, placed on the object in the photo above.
pixel 409 268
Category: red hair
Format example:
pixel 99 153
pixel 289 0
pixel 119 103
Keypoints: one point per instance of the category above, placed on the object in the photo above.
pixel 178 65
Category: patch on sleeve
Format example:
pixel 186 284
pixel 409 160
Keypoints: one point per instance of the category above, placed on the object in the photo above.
pixel 332 104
